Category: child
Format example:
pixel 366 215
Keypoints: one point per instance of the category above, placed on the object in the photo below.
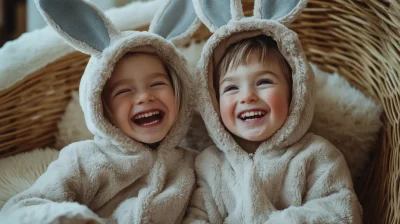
pixel 255 94
pixel 136 98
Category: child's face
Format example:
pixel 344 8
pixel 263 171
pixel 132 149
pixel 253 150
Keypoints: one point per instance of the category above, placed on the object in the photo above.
pixel 254 99
pixel 140 98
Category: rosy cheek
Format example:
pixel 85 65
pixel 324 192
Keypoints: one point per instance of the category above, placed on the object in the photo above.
pixel 227 109
pixel 120 107
pixel 170 100
pixel 279 104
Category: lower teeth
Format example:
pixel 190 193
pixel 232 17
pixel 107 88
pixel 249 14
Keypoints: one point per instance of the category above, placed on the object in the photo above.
pixel 252 119
pixel 153 122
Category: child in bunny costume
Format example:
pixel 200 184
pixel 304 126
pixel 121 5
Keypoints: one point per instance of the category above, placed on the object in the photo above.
pixel 136 98
pixel 257 107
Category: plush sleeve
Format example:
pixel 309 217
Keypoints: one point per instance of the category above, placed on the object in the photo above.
pixel 329 194
pixel 59 195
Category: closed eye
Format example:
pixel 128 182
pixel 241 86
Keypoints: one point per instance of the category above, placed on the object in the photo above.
pixel 264 82
pixel 157 84
pixel 230 88
pixel 122 91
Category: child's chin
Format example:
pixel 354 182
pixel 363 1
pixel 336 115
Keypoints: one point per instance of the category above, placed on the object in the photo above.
pixel 255 137
pixel 150 138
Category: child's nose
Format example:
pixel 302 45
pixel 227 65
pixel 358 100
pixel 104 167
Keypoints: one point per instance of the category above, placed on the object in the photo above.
pixel 249 96
pixel 144 97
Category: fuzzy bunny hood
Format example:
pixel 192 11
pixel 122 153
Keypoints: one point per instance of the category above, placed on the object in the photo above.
pixel 98 71
pixel 88 30
pixel 264 22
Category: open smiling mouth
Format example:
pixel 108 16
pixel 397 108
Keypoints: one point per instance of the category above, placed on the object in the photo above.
pixel 148 118
pixel 252 115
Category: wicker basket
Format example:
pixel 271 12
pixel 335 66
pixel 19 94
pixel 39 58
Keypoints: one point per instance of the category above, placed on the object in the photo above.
pixel 358 39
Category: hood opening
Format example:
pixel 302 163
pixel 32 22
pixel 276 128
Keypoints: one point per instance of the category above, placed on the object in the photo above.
pixel 98 116
pixel 301 95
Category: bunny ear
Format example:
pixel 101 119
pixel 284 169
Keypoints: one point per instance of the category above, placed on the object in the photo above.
pixel 283 11
pixel 80 23
pixel 175 21
pixel 216 13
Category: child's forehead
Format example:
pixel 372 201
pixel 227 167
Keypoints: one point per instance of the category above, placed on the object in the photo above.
pixel 133 59
pixel 137 68
pixel 255 56
pixel 136 64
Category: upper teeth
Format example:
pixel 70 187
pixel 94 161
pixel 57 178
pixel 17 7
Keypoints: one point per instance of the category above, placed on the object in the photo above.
pixel 147 114
pixel 252 113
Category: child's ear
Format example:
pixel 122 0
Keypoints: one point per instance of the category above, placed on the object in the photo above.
pixel 79 22
pixel 283 11
pixel 175 21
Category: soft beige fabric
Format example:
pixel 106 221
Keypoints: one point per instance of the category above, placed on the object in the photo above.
pixel 343 115
pixel 71 127
pixel 306 183
pixel 293 177
pixel 348 119
pixel 19 172
pixel 113 178
pixel 104 172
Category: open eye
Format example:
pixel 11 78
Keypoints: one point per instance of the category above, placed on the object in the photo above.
pixel 230 88
pixel 264 82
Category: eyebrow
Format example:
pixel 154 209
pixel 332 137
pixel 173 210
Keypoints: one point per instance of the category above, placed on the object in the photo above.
pixel 114 84
pixel 155 74
pixel 111 88
pixel 227 79
pixel 262 72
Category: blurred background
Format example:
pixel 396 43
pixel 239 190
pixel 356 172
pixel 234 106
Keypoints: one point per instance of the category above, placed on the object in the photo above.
pixel 19 16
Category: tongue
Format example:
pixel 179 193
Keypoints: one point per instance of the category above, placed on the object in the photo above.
pixel 147 120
